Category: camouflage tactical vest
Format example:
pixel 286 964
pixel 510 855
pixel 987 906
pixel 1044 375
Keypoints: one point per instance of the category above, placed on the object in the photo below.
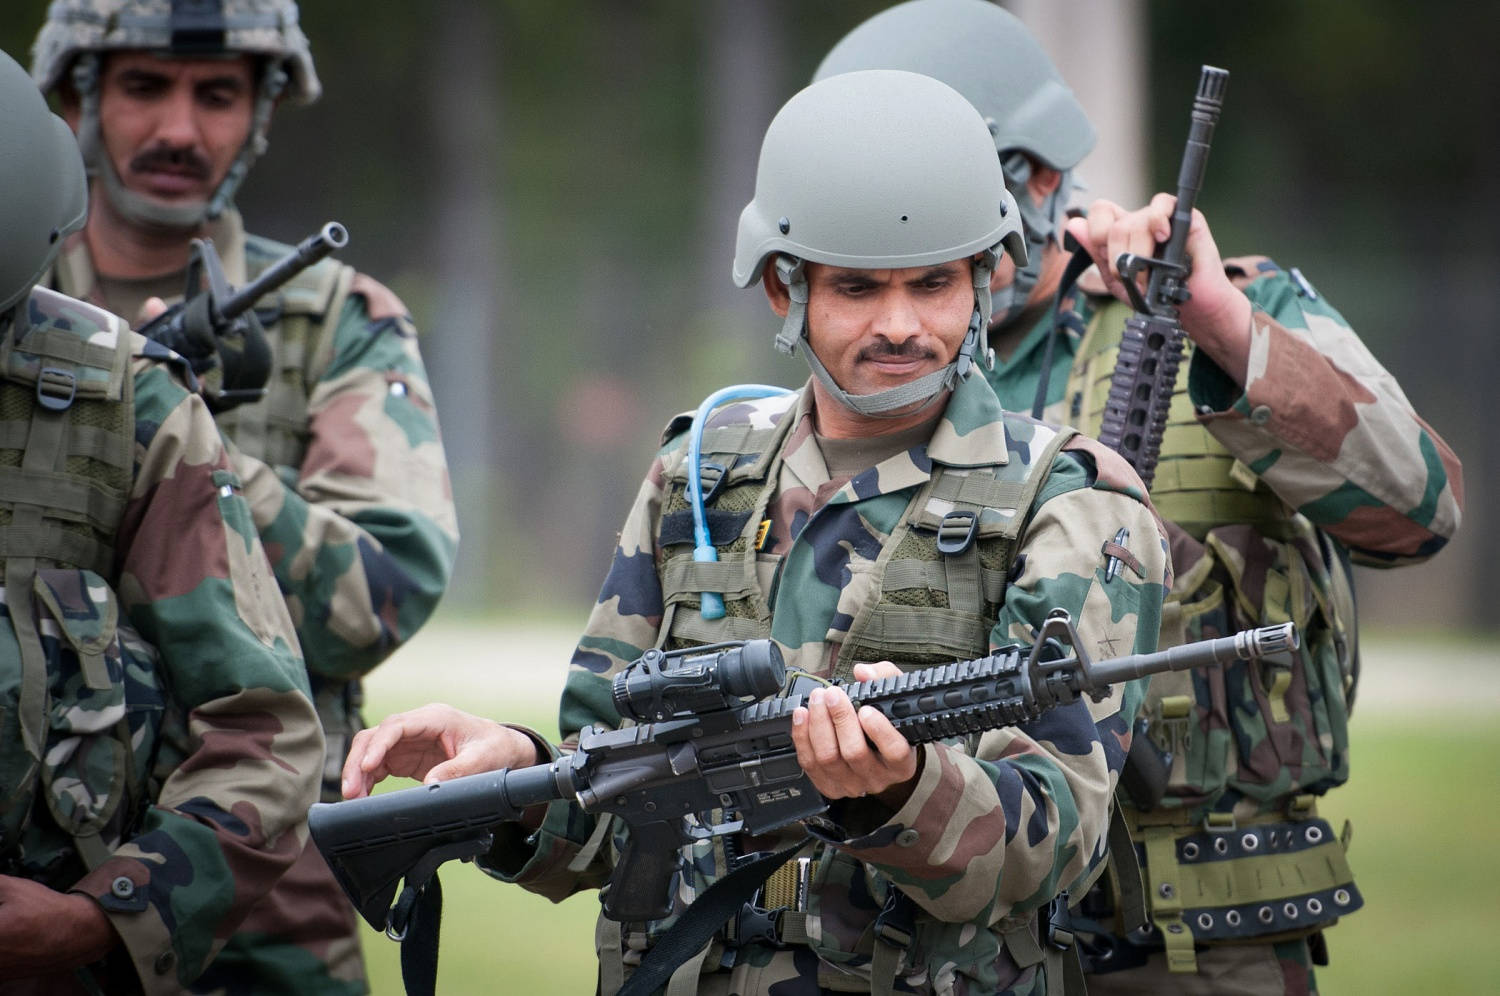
pixel 298 324
pixel 1234 850
pixel 82 705
pixel 942 573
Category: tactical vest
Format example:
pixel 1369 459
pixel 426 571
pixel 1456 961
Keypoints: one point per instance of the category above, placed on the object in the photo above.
pixel 941 575
pixel 82 702
pixel 1199 484
pixel 299 329
pixel 1280 873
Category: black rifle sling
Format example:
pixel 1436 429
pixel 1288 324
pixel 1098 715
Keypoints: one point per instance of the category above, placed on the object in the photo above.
pixel 1080 261
pixel 422 911
pixel 708 913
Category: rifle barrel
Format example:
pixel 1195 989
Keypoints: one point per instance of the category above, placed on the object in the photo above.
pixel 1247 644
pixel 328 239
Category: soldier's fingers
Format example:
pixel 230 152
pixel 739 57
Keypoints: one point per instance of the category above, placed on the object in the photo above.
pixel 893 750
pixel 853 747
pixel 870 672
pixel 822 739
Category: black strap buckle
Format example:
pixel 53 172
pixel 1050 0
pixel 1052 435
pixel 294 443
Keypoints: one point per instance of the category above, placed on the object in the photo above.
pixel 753 925
pixel 55 389
pixel 1059 922
pixel 956 532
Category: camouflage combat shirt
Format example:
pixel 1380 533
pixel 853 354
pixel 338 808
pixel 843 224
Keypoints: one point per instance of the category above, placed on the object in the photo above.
pixel 344 471
pixel 193 637
pixel 995 826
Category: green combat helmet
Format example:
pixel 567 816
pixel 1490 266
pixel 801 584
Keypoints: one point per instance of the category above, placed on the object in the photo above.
pixel 986 53
pixel 46 195
pixel 78 32
pixel 878 170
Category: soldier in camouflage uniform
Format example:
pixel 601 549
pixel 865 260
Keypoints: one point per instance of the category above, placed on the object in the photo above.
pixel 159 749
pixel 1289 453
pixel 878 215
pixel 341 460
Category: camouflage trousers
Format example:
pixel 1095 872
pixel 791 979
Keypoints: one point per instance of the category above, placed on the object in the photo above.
pixel 1223 970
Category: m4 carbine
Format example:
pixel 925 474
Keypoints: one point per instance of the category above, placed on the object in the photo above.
pixel 213 327
pixel 1140 392
pixel 714 737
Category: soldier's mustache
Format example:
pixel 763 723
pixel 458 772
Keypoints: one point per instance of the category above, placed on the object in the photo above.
pixel 173 159
pixel 910 349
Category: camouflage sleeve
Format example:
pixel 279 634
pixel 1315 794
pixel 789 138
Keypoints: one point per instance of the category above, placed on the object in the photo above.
pixel 228 821
pixel 623 624
pixel 362 536
pixel 1328 428
pixel 1001 832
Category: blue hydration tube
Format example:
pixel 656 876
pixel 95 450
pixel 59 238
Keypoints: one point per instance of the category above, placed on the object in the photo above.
pixel 712 606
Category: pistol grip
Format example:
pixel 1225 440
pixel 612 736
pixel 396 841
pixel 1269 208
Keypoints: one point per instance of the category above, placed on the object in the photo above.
pixel 641 887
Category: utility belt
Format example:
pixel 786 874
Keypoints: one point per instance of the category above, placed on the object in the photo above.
pixel 1222 880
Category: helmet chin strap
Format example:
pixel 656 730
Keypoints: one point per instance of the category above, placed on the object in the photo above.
pixel 148 211
pixel 895 401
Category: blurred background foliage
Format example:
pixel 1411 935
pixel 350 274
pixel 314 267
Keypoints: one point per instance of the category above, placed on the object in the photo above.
pixel 553 188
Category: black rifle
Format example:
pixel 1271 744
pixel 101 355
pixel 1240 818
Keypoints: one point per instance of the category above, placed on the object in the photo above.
pixel 213 326
pixel 714 735
pixel 1140 392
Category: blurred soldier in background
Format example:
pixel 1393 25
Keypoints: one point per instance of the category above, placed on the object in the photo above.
pixel 1289 452
pixel 137 609
pixel 341 460
pixel 879 213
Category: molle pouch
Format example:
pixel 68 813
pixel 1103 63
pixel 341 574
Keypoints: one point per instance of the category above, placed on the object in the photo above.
pixel 104 708
pixel 1278 725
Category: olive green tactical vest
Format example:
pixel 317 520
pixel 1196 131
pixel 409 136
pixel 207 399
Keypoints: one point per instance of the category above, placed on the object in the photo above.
pixel 1199 484
pixel 80 694
pixel 933 608
pixel 299 329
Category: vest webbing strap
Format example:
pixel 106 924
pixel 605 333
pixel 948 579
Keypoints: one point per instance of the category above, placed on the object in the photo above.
pixel 86 441
pixel 976 489
pixel 726 576
pixel 65 347
pixel 1166 899
pixel 1126 877
pixel 902 574
pixel 64 497
pixel 44 452
pixel 689 625
pixel 48 541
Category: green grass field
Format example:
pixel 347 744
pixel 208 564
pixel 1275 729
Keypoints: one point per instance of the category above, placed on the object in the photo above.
pixel 1423 804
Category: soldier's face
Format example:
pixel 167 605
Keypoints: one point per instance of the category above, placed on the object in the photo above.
pixel 172 127
pixel 877 329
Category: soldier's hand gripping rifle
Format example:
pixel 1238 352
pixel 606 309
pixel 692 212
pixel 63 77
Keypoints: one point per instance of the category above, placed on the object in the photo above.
pixel 715 734
pixel 214 328
pixel 1140 392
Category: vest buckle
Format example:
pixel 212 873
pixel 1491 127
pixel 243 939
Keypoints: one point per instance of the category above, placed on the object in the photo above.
pixel 55 389
pixel 955 534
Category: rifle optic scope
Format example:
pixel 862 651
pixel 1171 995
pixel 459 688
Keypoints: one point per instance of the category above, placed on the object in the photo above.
pixel 662 684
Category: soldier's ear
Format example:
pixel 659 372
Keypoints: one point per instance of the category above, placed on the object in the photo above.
pixel 776 292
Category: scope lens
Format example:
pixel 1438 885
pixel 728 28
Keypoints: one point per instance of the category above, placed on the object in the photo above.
pixel 755 670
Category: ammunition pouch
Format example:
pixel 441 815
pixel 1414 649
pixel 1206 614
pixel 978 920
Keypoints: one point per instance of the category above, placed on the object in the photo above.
pixel 1271 878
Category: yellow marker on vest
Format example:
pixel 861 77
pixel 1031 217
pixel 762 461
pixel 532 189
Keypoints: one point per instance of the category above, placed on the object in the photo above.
pixel 761 532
